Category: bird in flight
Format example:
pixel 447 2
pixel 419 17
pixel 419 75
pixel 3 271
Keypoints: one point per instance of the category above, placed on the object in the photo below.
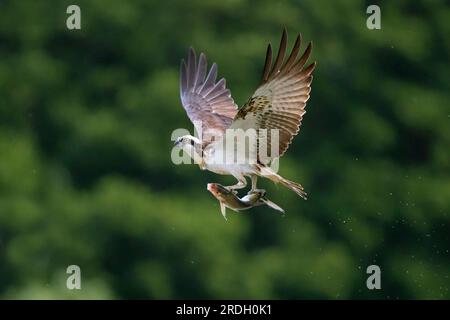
pixel 277 105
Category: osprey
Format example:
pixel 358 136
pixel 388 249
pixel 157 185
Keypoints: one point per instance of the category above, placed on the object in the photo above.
pixel 278 104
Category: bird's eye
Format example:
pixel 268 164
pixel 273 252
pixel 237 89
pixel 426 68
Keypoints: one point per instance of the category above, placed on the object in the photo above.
pixel 192 142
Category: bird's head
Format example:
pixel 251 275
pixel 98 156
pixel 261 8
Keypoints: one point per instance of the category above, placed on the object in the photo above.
pixel 191 146
pixel 186 141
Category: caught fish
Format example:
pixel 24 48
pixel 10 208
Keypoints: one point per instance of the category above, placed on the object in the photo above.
pixel 229 199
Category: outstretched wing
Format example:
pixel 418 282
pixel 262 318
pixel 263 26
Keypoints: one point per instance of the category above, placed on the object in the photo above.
pixel 280 100
pixel 208 103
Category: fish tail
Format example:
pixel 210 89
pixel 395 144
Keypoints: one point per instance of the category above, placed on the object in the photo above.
pixel 273 205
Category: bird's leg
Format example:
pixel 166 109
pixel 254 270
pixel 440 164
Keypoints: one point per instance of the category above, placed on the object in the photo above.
pixel 242 183
pixel 254 178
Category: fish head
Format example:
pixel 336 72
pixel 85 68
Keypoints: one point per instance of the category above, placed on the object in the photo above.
pixel 218 191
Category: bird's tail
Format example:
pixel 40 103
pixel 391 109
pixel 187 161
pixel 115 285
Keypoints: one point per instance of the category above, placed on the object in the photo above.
pixel 272 175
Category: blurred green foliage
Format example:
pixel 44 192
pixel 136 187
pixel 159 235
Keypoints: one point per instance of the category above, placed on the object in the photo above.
pixel 86 176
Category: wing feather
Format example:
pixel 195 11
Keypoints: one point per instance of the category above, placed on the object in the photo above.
pixel 267 64
pixel 210 80
pixel 201 71
pixel 280 100
pixel 289 62
pixel 208 103
pixel 281 54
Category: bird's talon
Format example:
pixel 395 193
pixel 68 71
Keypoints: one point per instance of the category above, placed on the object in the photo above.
pixel 258 191
pixel 234 191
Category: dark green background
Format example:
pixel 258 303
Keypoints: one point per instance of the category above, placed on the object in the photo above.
pixel 86 176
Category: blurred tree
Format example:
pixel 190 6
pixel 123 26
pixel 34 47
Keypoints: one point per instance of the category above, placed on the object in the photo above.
pixel 86 177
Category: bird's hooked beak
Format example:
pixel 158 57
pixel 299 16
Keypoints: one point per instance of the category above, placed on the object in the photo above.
pixel 177 142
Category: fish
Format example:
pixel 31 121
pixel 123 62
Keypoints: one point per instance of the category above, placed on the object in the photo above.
pixel 229 199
